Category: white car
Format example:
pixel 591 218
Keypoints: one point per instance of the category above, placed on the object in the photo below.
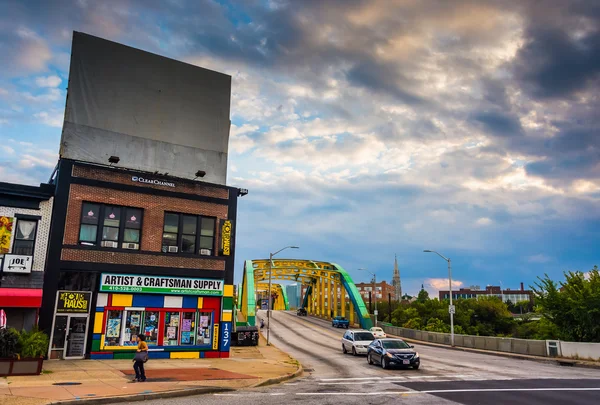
pixel 378 332
pixel 356 341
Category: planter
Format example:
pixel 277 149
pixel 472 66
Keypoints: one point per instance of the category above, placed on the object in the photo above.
pixel 30 366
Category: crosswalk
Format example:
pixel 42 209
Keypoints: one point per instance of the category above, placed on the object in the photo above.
pixel 375 380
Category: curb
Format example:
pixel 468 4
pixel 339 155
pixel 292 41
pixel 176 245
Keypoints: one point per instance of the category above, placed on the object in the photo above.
pixel 147 396
pixel 277 380
pixel 550 360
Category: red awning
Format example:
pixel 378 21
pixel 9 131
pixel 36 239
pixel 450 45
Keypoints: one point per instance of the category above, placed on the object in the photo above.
pixel 20 297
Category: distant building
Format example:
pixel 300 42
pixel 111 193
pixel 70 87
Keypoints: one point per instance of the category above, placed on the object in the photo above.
pixel 506 295
pixel 396 281
pixel 293 295
pixel 383 289
pixel 408 298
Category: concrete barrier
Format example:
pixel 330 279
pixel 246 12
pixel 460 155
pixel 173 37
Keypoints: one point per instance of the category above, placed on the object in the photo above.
pixel 574 350
pixel 580 350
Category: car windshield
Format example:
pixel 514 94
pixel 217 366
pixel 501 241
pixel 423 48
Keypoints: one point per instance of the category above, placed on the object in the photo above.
pixel 395 344
pixel 363 336
pixel 376 329
pixel 340 318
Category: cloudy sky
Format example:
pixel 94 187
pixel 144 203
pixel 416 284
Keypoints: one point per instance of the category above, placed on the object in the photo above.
pixel 364 129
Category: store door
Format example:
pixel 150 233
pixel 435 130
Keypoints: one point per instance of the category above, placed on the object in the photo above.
pixel 75 344
pixel 68 337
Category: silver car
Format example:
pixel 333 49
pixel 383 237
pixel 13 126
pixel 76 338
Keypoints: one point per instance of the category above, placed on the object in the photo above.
pixel 356 341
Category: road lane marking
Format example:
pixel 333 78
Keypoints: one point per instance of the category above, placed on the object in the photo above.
pixel 445 391
pixel 510 390
pixel 350 379
pixel 352 393
pixel 358 382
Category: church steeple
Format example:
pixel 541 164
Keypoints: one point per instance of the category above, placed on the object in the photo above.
pixel 396 282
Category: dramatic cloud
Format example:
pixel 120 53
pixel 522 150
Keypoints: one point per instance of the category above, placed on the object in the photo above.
pixel 366 128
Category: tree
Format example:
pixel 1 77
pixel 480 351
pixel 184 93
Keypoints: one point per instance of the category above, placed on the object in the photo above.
pixel 423 296
pixel 574 307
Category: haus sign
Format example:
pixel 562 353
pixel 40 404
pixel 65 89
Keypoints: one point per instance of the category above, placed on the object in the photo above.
pixel 160 285
pixel 73 302
pixel 156 182
pixel 17 264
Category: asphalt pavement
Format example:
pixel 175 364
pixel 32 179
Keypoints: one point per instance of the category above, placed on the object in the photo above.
pixel 445 376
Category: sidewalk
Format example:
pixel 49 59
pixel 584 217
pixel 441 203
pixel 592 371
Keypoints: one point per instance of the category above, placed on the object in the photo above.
pixel 86 380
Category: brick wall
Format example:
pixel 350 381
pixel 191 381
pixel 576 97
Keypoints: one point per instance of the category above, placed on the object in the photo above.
pixel 181 186
pixel 152 226
pixel 103 256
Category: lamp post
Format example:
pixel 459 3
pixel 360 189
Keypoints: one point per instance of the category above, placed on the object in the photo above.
pixel 270 277
pixel 451 308
pixel 374 291
pixel 501 292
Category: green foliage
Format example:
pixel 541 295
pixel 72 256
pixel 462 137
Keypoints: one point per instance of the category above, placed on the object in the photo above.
pixel 574 310
pixel 413 323
pixel 8 343
pixel 423 296
pixel 33 344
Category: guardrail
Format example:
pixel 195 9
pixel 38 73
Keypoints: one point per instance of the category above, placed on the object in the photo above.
pixel 544 348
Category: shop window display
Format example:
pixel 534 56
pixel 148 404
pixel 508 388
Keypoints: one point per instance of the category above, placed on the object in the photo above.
pixel 133 327
pixel 185 328
pixel 151 328
pixel 113 328
pixel 171 329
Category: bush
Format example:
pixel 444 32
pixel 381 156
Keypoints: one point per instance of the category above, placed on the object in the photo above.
pixel 8 343
pixel 33 344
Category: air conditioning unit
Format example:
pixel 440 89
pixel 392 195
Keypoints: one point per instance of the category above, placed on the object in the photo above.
pixel 132 246
pixel 173 249
pixel 205 252
pixel 109 244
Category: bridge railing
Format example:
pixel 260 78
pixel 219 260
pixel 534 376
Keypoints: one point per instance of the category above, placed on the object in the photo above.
pixel 531 347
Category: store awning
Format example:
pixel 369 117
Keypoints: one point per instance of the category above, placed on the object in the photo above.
pixel 20 297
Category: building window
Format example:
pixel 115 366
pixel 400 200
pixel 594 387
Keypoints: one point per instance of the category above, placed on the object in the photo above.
pixel 188 234
pixel 24 237
pixel 119 226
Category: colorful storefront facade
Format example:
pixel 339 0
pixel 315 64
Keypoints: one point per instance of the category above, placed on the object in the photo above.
pixel 175 326
pixel 138 258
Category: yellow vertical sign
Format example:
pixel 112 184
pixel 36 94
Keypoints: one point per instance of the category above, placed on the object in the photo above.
pixel 6 226
pixel 226 238
pixel 216 337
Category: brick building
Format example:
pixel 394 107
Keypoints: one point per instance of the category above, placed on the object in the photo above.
pixel 383 289
pixel 143 225
pixel 25 213
pixel 506 295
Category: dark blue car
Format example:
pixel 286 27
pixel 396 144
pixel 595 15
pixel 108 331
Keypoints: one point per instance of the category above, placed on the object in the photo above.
pixel 340 322
pixel 393 352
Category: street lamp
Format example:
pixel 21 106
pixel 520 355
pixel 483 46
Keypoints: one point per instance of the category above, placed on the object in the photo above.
pixel 374 291
pixel 270 276
pixel 451 308
pixel 501 292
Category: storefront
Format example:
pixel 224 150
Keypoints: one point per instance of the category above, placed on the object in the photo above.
pixel 71 323
pixel 180 317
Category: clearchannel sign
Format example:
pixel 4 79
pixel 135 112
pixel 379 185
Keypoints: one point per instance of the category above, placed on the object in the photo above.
pixel 156 182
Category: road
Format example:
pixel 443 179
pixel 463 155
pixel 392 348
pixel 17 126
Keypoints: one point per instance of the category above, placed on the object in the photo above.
pixel 445 376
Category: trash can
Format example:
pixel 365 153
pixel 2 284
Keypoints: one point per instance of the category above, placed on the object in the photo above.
pixel 245 336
